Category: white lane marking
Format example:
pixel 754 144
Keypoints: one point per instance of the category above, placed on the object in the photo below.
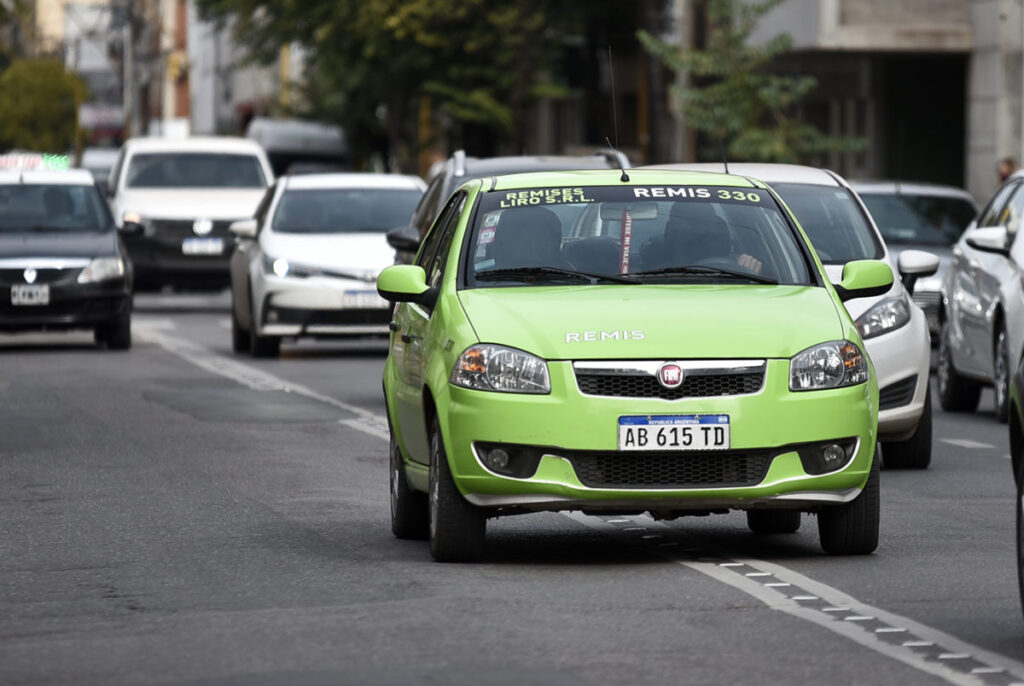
pixel 224 323
pixel 152 323
pixel 256 379
pixel 376 430
pixel 967 443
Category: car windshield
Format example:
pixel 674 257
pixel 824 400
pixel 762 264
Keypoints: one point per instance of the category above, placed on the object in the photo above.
pixel 633 234
pixel 52 207
pixel 194 170
pixel 344 210
pixel 833 220
pixel 926 219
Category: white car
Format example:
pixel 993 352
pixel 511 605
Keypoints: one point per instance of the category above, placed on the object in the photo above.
pixel 982 317
pixel 894 329
pixel 184 193
pixel 307 264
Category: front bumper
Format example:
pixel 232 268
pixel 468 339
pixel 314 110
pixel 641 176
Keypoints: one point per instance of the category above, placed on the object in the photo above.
pixel 321 306
pixel 567 422
pixel 902 360
pixel 71 306
pixel 159 256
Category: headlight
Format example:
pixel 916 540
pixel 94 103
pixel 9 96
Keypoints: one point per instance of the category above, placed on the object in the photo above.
pixel 281 267
pixel 102 269
pixel 497 368
pixel 890 314
pixel 830 365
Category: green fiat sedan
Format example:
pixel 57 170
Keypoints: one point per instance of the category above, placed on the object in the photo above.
pixel 662 342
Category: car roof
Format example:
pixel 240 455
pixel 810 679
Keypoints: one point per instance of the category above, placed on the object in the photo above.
pixel 765 171
pixel 613 177
pixel 353 180
pixel 491 166
pixel 910 188
pixel 67 177
pixel 226 144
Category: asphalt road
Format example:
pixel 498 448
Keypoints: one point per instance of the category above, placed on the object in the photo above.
pixel 178 514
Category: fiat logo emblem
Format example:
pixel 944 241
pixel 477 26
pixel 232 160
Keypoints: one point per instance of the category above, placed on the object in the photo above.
pixel 670 375
pixel 30 275
pixel 201 227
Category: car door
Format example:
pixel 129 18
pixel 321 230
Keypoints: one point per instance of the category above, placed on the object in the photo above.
pixel 981 275
pixel 413 332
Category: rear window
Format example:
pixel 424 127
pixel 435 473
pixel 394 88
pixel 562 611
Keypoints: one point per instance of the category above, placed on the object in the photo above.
pixel 925 219
pixel 44 207
pixel 195 170
pixel 832 219
pixel 344 210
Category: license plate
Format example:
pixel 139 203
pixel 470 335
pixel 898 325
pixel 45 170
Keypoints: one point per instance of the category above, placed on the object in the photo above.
pixel 30 294
pixel 674 432
pixel 202 246
pixel 363 300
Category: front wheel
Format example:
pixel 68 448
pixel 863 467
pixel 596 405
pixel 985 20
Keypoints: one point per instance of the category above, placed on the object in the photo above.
pixel 117 333
pixel 916 451
pixel 1020 538
pixel 956 393
pixel 1001 374
pixel 239 336
pixel 408 507
pixel 457 528
pixel 852 528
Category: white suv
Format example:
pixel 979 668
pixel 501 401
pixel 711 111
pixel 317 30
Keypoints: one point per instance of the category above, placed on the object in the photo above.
pixel 184 193
pixel 894 329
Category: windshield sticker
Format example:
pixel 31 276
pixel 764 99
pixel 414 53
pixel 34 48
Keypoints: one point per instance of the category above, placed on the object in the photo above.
pixel 627 241
pixel 544 196
pixel 486 236
pixel 484 264
pixel 697 193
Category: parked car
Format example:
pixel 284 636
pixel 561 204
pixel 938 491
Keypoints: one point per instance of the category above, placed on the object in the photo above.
pixel 62 265
pixel 459 168
pixel 307 263
pixel 178 197
pixel 895 331
pixel 920 216
pixel 982 316
pixel 721 372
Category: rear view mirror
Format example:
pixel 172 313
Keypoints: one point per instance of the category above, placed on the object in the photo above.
pixel 405 283
pixel 406 239
pixel 637 211
pixel 913 264
pixel 993 239
pixel 243 228
pixel 864 279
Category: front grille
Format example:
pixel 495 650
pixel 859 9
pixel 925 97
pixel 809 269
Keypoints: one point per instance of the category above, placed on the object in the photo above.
pixel 927 300
pixel 669 469
pixel 13 276
pixel 897 394
pixel 182 228
pixel 702 386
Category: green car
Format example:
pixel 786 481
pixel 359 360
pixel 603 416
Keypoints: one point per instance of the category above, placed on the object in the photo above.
pixel 662 342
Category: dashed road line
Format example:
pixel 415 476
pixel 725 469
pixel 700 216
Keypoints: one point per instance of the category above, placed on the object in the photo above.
pixel 967 443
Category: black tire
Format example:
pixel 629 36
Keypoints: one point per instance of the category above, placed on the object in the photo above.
pixel 956 393
pixel 457 528
pixel 916 451
pixel 409 516
pixel 1020 537
pixel 1001 373
pixel 239 336
pixel 852 528
pixel 773 521
pixel 117 333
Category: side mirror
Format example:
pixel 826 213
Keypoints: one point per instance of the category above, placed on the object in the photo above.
pixel 405 283
pixel 132 228
pixel 913 264
pixel 864 279
pixel 990 239
pixel 243 228
pixel 404 239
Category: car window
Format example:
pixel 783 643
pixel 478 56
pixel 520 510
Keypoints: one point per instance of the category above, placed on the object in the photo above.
pixel 446 231
pixel 56 207
pixel 1010 217
pixel 993 215
pixel 194 170
pixel 427 208
pixel 832 219
pixel 669 231
pixel 926 219
pixel 343 210
pixel 264 206
pixel 429 246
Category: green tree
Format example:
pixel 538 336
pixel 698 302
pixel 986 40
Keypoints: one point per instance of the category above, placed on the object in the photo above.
pixel 39 102
pixel 734 97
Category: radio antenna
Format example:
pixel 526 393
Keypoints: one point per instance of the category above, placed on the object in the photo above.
pixel 615 120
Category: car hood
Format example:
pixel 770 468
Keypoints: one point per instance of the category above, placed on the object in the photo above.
pixel 190 203
pixel 654 321
pixel 65 244
pixel 357 254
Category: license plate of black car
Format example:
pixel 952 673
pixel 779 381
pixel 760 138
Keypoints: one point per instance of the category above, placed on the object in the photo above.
pixel 30 294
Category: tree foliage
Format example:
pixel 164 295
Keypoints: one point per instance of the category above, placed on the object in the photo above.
pixel 39 102
pixel 735 98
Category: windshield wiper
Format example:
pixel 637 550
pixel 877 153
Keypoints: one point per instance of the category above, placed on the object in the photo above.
pixel 518 272
pixel 701 270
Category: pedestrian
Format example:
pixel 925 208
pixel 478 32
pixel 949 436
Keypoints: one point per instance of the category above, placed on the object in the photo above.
pixel 1005 168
